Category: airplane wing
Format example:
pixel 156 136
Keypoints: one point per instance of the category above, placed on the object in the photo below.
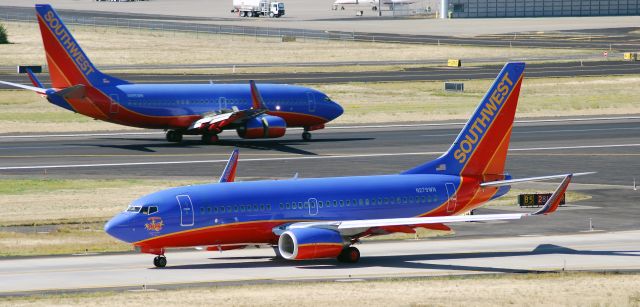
pixel 541 178
pixel 217 122
pixel 360 226
pixel 229 172
pixel 38 90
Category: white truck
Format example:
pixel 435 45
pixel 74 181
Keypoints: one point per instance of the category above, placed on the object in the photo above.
pixel 256 8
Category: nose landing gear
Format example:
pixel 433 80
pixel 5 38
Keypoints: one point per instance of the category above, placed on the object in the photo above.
pixel 160 261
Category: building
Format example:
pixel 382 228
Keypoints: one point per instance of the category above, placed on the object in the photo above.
pixel 541 8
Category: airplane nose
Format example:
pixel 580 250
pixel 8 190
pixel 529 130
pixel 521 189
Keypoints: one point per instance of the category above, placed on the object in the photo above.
pixel 117 227
pixel 338 110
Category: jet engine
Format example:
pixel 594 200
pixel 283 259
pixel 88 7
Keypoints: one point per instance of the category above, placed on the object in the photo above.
pixel 265 126
pixel 310 243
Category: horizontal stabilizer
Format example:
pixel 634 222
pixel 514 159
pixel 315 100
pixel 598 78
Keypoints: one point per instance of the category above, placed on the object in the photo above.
pixel 75 92
pixel 541 178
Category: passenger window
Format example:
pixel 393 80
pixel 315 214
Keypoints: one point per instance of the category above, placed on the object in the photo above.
pixel 386 200
pixel 379 200
pixel 268 207
pixel 348 203
pixel 288 206
pixel 366 201
pixel 281 206
pixel 335 203
pixel 355 202
pixel 235 208
pixel 341 203
pixel 262 207
pixel 215 209
pixel 320 204
pixel 208 210
pixel 306 204
pixel 404 200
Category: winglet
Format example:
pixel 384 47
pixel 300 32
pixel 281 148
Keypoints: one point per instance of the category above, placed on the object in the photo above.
pixel 554 201
pixel 256 98
pixel 34 79
pixel 229 173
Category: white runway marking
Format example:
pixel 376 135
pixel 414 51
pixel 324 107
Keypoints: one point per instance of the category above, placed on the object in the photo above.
pixel 291 158
pixel 35 136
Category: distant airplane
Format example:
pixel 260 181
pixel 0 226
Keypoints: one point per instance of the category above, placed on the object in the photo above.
pixel 374 4
pixel 180 109
pixel 323 217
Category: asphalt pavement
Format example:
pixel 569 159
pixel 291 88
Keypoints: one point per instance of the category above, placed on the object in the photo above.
pixel 534 70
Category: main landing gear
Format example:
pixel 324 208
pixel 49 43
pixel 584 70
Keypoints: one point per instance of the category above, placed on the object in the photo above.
pixel 174 136
pixel 349 255
pixel 306 135
pixel 160 261
pixel 209 139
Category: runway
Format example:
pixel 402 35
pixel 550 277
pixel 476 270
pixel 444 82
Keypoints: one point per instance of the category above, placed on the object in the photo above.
pixel 595 251
pixel 570 69
pixel 609 147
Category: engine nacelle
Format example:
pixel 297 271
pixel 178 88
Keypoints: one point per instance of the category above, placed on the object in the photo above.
pixel 310 243
pixel 265 126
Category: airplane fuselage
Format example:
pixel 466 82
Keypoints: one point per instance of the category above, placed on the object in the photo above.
pixel 247 212
pixel 176 106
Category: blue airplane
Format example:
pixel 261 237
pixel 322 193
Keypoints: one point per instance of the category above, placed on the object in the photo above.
pixel 323 217
pixel 180 109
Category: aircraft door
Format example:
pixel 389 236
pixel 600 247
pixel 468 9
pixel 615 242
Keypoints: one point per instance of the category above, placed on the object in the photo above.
pixel 186 210
pixel 313 206
pixel 452 198
pixel 311 99
pixel 114 106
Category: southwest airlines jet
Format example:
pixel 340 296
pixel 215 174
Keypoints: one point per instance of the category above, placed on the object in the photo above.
pixel 323 217
pixel 196 109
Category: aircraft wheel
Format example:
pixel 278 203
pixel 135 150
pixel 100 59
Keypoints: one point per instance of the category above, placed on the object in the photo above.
pixel 174 136
pixel 306 136
pixel 160 261
pixel 210 139
pixel 349 255
pixel 271 14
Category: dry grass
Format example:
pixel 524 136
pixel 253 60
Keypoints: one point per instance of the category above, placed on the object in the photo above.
pixel 47 201
pixel 381 102
pixel 157 47
pixel 564 289
pixel 67 239
pixel 426 101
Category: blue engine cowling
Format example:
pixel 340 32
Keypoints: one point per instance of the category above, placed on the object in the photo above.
pixel 264 126
pixel 310 243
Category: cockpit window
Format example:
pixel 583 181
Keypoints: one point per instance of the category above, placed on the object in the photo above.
pixel 135 209
pixel 149 210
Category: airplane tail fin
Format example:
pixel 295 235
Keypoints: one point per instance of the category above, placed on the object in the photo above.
pixel 68 64
pixel 482 145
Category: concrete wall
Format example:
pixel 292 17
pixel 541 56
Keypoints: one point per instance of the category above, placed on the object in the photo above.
pixel 542 8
